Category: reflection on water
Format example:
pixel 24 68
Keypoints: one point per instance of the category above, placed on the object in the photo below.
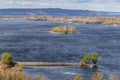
pixel 17 38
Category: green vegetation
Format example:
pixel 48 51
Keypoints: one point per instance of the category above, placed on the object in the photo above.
pixel 64 30
pixel 12 71
pixel 114 21
pixel 87 59
pixel 16 72
pixel 94 58
pixel 7 59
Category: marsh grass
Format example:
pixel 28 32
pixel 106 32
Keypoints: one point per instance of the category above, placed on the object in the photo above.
pixel 12 74
pixel 97 76
pixel 77 77
pixel 64 30
pixel 114 21
pixel 113 77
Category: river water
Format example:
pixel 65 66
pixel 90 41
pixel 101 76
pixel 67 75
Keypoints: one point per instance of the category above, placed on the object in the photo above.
pixel 25 42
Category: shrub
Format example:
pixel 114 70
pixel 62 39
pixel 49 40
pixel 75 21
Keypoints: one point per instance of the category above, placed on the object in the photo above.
pixel 97 76
pixel 113 77
pixel 86 58
pixel 77 77
pixel 7 58
pixel 94 58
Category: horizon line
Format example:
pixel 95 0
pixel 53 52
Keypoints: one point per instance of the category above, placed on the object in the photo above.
pixel 63 9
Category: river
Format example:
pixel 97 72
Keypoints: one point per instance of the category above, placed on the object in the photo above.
pixel 24 41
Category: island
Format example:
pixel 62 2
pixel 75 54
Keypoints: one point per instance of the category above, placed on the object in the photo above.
pixel 64 30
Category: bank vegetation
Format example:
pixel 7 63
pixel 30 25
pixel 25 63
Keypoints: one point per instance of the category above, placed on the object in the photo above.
pixel 10 70
pixel 114 21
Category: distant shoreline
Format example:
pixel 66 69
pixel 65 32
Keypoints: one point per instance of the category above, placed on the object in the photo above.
pixel 113 21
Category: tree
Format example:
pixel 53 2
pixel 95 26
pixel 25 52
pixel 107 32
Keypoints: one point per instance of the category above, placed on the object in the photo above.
pixel 7 58
pixel 86 58
pixel 94 58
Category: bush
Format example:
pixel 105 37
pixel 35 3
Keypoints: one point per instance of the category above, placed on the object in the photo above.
pixel 77 77
pixel 94 58
pixel 7 58
pixel 113 77
pixel 86 58
pixel 97 76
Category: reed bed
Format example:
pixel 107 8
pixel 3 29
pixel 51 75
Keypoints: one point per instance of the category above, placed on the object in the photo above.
pixel 14 74
pixel 114 21
pixel 64 30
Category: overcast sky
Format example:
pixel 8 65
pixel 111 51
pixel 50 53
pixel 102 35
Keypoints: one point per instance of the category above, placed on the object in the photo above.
pixel 95 5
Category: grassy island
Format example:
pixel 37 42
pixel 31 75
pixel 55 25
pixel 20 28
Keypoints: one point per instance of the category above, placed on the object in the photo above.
pixel 64 30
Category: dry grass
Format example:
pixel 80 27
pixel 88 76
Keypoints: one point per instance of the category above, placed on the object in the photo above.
pixel 47 64
pixel 97 76
pixel 64 30
pixel 77 77
pixel 113 77
pixel 13 74
pixel 115 21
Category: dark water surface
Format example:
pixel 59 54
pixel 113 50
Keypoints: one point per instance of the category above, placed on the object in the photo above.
pixel 20 39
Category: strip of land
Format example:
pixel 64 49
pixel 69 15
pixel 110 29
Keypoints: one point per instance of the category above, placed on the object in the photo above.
pixel 47 64
pixel 114 21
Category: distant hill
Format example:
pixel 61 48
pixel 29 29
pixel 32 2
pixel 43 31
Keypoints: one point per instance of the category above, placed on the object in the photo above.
pixel 54 12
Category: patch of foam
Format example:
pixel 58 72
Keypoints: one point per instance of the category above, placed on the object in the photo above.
pixel 71 73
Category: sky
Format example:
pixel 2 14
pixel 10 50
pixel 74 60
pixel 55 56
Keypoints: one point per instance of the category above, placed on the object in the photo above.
pixel 94 5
